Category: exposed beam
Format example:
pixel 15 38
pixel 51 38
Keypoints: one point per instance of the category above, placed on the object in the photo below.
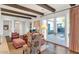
pixel 15 15
pixel 16 12
pixel 47 7
pixel 24 8
pixel 72 5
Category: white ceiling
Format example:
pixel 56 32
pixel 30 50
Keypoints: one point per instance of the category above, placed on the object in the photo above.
pixel 15 9
pixel 58 7
pixel 37 8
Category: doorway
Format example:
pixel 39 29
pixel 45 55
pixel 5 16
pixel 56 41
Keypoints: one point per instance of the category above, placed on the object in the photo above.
pixel 20 27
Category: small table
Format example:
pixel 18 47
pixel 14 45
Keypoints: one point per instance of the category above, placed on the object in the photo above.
pixel 26 49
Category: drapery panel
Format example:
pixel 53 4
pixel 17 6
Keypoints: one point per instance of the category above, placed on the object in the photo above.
pixel 74 29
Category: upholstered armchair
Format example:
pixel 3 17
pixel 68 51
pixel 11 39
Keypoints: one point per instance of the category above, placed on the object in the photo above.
pixel 15 35
pixel 38 42
pixel 17 41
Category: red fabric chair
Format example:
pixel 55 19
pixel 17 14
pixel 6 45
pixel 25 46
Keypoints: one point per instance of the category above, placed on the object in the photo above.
pixel 15 35
pixel 17 41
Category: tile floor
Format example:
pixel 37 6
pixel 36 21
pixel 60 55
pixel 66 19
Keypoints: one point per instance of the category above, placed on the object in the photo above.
pixel 59 38
pixel 51 49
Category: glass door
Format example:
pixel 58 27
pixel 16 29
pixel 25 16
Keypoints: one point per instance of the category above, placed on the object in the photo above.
pixel 60 30
pixel 56 30
pixel 51 33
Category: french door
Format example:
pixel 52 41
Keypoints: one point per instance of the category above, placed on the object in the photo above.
pixel 56 30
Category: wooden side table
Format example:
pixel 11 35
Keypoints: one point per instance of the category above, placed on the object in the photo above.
pixel 26 49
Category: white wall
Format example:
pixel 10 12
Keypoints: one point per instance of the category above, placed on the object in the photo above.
pixel 6 32
pixel 1 24
pixel 24 24
pixel 27 26
pixel 68 27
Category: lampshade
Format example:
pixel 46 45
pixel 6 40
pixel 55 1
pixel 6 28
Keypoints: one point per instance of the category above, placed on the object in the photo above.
pixel 43 26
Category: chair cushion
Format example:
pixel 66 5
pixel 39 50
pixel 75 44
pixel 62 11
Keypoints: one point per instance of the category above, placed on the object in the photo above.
pixel 17 43
pixel 15 35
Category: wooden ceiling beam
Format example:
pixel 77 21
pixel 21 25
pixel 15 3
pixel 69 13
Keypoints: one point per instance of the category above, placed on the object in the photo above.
pixel 16 12
pixel 72 5
pixel 47 7
pixel 15 15
pixel 24 8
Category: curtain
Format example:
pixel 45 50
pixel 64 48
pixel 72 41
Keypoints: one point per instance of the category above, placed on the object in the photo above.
pixel 74 29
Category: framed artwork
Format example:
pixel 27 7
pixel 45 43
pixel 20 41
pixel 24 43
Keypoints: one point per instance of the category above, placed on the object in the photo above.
pixel 5 27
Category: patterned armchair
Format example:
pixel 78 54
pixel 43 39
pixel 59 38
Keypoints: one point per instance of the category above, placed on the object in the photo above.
pixel 37 42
